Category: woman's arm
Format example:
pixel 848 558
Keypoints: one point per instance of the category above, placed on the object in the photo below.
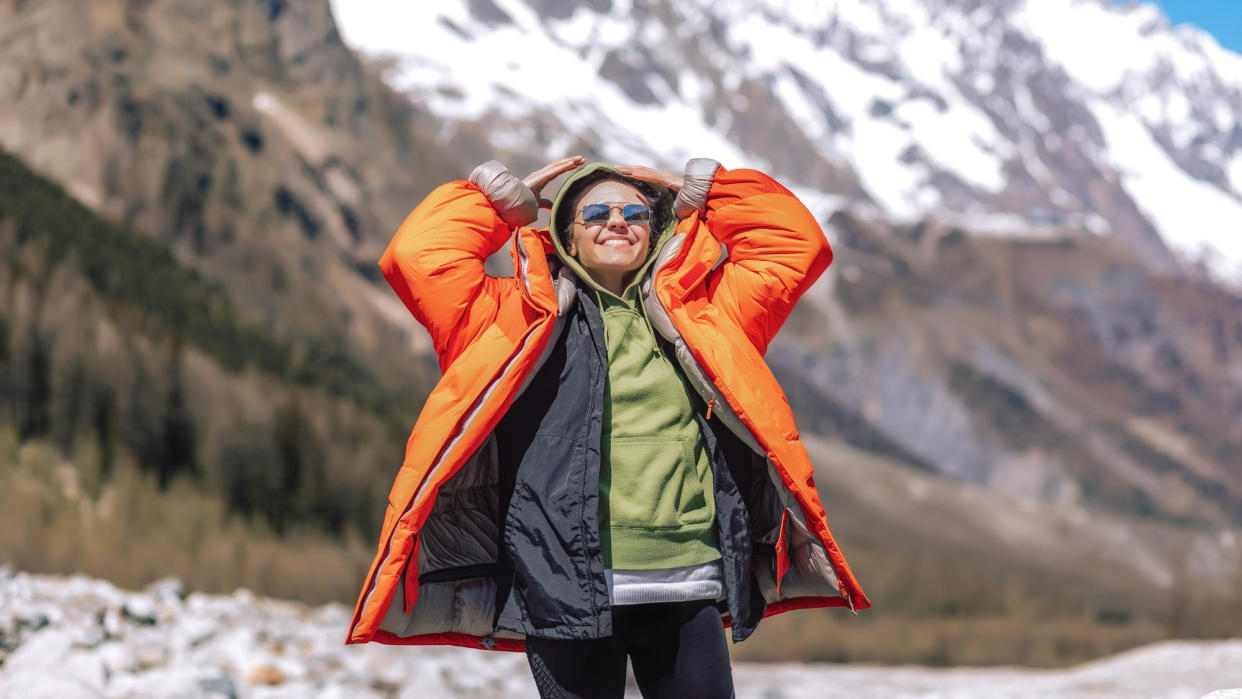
pixel 435 259
pixel 776 248
pixel 435 264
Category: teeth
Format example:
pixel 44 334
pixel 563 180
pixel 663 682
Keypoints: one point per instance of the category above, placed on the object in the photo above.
pixel 616 242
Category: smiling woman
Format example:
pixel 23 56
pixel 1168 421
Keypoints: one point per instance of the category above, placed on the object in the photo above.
pixel 607 469
pixel 610 233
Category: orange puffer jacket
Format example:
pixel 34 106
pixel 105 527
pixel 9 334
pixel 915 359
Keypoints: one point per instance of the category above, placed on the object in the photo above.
pixel 723 286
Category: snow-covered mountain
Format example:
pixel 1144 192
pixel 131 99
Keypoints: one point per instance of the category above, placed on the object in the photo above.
pixel 1004 116
pixel 1069 361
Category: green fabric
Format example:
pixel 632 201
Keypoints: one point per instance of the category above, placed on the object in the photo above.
pixel 657 508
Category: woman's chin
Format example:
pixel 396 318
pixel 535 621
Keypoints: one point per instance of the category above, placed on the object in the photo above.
pixel 617 259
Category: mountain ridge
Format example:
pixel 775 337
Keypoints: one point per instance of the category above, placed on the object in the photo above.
pixel 987 109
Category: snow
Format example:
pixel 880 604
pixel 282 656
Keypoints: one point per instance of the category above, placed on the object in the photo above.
pixel 301 133
pixel 1192 216
pixel 960 140
pixel 1071 32
pixel 1030 113
pixel 1151 78
pixel 804 112
pixel 1234 171
pixel 532 51
pixel 929 56
pixel 877 147
pixel 983 82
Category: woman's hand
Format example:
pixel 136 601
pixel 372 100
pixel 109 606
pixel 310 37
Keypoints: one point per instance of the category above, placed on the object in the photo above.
pixel 647 174
pixel 539 179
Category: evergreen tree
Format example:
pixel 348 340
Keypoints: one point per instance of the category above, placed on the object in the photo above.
pixel 178 434
pixel 37 390
pixel 103 423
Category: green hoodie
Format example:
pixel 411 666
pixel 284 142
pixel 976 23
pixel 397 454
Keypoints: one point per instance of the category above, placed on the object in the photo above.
pixel 657 508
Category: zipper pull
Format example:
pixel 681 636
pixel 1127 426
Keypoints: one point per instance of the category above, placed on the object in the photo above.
pixel 710 404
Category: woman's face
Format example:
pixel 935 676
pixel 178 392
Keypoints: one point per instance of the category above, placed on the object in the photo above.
pixel 610 250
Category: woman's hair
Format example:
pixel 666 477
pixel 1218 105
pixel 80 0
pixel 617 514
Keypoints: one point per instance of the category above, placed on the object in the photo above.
pixel 660 201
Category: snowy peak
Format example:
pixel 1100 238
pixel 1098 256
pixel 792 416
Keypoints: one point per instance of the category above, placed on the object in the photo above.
pixel 1003 116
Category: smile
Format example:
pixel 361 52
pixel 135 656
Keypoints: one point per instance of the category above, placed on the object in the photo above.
pixel 616 242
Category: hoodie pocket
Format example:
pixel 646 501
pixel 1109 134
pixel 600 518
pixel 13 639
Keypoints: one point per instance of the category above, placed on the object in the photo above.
pixel 653 483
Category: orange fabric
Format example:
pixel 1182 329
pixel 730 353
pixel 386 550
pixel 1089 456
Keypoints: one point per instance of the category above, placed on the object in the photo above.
pixel 489 331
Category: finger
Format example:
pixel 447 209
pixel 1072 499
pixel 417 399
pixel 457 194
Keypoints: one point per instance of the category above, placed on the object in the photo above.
pixel 644 173
pixel 551 170
pixel 563 163
pixel 633 171
pixel 556 165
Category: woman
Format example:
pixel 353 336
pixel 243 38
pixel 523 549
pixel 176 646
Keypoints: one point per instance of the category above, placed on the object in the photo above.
pixel 607 467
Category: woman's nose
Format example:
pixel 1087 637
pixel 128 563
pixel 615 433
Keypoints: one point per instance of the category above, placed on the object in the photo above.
pixel 616 222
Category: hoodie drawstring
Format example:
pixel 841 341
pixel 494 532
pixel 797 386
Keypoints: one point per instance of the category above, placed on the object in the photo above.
pixel 642 310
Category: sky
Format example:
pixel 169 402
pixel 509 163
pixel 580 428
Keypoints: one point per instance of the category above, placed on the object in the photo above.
pixel 1222 18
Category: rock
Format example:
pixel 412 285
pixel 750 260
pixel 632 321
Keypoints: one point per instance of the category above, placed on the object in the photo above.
pixel 35 686
pixel 110 620
pixel 84 668
pixel 218 646
pixel 219 685
pixel 163 682
pixel 149 651
pixel 31 620
pixel 141 610
pixel 265 674
pixel 40 653
pixel 429 685
pixel 116 658
pixel 169 589
pixel 92 636
pixel 193 630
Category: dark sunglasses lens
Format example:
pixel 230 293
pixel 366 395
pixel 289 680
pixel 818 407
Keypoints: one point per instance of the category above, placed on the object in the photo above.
pixel 636 213
pixel 594 214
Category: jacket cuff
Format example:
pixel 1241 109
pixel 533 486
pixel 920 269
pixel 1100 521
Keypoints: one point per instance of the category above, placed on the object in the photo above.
pixel 509 196
pixel 697 180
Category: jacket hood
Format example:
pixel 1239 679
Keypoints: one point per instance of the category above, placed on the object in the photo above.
pixel 559 226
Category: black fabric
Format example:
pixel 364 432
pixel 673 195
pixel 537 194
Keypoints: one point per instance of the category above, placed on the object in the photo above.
pixel 677 649
pixel 549 447
pixel 550 577
pixel 731 465
pixel 478 570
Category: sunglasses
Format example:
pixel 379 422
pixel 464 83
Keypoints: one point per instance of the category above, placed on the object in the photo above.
pixel 598 214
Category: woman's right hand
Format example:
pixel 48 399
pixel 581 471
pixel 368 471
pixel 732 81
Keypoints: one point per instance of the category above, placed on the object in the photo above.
pixel 539 179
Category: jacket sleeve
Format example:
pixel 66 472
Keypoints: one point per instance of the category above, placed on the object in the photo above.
pixel 776 250
pixel 435 264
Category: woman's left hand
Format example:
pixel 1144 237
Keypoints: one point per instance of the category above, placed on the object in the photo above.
pixel 647 174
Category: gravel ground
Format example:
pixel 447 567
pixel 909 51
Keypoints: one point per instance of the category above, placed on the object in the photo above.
pixel 78 637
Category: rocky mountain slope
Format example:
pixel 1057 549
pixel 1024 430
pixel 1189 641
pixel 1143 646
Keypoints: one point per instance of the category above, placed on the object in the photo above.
pixel 77 637
pixel 243 134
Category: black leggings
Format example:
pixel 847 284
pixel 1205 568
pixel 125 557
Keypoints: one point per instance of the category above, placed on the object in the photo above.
pixel 678 650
